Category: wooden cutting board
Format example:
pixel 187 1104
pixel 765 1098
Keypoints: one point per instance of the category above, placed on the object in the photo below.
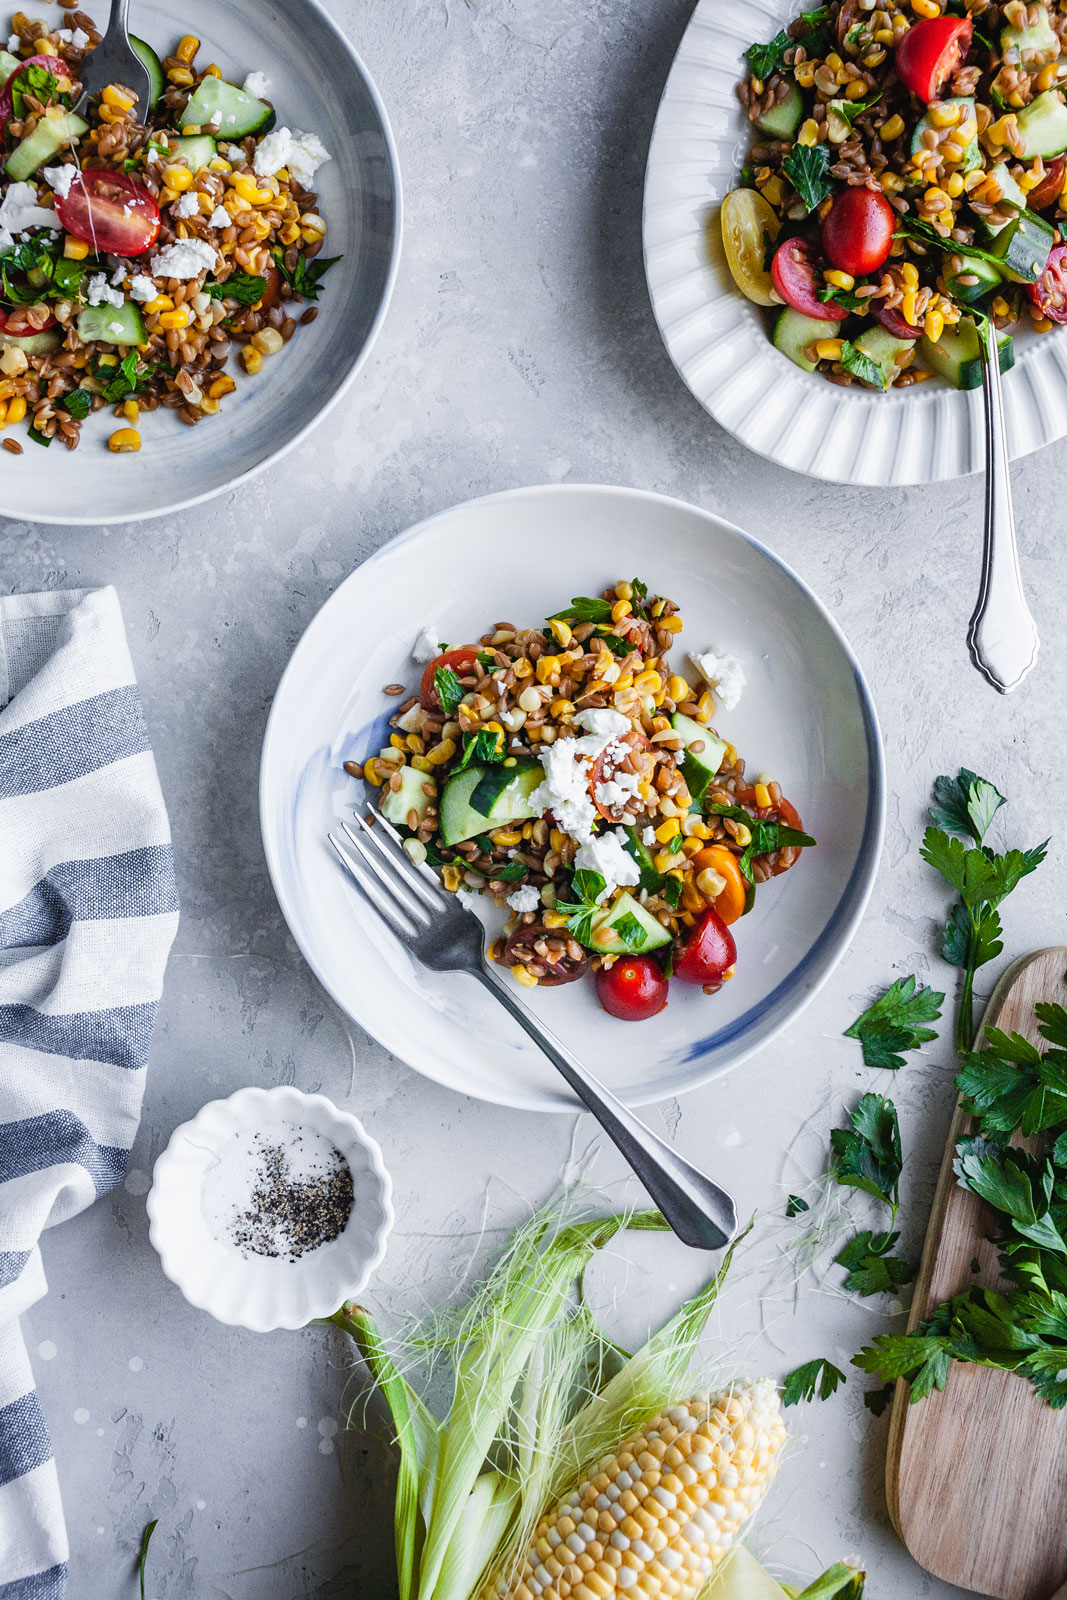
pixel 976 1477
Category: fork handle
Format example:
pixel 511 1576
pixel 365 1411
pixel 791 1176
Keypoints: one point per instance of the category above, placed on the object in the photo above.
pixel 699 1212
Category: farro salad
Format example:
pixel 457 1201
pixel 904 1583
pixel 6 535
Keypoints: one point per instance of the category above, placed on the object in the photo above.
pixel 570 774
pixel 906 186
pixel 140 246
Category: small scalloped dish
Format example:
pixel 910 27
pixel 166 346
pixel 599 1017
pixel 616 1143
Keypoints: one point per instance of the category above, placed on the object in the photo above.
pixel 257 1291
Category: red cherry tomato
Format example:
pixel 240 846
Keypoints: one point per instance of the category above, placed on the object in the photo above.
pixel 793 275
pixel 19 325
pixel 52 64
pixel 858 231
pixel 894 323
pixel 459 660
pixel 930 52
pixel 113 213
pixel 1049 187
pixel 1049 293
pixel 633 989
pixel 706 951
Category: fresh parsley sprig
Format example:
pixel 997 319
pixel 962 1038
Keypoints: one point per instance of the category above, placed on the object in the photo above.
pixel 584 608
pixel 965 807
pixel 588 888
pixel 807 166
pixel 895 1022
pixel 853 359
pixel 305 279
pixel 766 835
pixel 448 690
pixel 870 1266
pixel 867 1154
pixel 483 746
pixel 819 1375
pixel 765 59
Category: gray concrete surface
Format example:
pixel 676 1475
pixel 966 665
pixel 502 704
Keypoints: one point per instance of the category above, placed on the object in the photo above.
pixel 519 349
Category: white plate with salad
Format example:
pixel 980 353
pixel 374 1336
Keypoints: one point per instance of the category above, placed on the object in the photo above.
pixel 802 714
pixel 721 343
pixel 188 285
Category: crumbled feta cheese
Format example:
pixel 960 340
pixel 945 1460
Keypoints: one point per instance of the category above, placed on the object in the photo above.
pixel 648 835
pixel 79 39
pixel 525 899
pixel 724 673
pixel 142 288
pixel 118 271
pixel 256 83
pixel 302 153
pixel 19 210
pixel 66 34
pixel 604 724
pixel 60 178
pixel 187 204
pixel 233 152
pixel 188 258
pixel 564 790
pixel 411 721
pixel 619 789
pixel 99 292
pixel 14 44
pixel 607 854
pixel 427 644
pixel 219 218
pixel 115 327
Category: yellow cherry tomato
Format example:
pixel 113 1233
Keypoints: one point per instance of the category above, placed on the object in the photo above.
pixel 748 221
pixel 730 902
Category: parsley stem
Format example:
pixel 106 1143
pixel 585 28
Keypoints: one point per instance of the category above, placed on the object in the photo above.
pixel 965 1016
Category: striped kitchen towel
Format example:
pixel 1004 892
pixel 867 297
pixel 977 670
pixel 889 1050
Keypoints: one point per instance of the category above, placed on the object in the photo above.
pixel 88 911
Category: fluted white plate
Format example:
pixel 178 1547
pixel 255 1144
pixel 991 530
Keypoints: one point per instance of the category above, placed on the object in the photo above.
pixel 719 341
pixel 805 716
pixel 263 1292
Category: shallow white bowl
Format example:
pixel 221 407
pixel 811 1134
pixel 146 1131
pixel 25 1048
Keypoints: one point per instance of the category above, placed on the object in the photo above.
pixel 719 341
pixel 318 84
pixel 806 716
pixel 259 1292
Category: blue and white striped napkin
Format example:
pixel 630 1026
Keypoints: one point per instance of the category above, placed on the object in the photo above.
pixel 88 911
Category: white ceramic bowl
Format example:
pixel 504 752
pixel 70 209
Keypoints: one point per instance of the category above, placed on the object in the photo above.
pixel 318 84
pixel 719 341
pixel 260 1292
pixel 806 716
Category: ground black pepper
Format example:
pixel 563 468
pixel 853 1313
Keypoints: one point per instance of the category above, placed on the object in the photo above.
pixel 287 1215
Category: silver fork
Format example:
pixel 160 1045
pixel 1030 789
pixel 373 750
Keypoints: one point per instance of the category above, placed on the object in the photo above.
pixel 447 937
pixel 114 60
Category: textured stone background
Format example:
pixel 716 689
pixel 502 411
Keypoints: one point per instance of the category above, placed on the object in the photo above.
pixel 519 349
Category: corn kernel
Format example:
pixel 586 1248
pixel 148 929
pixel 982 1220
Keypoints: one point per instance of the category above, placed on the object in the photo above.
pixel 809 132
pixel 562 632
pixel 648 682
pixel 124 440
pixel 944 114
pixel 710 883
pixel 678 689
pixel 113 96
pixel 289 234
pixel 926 8
pixel 763 796
pixel 371 773
pixel 672 624
pixel 743 835
pixel 554 919
pixel 187 48
pixel 561 710
pixel 251 359
pixel 268 341
pixel 772 191
pixel 13 361
pixel 180 317
pixel 953 186
pixel 162 302
pixel 667 830
pixel 507 837
pixel 75 249
pixel 891 129
pixel 621 609
pixel 933 326
pixel 907 306
pixel 223 384
pixel 829 349
pixel 451 873
pixel 524 976
pixel 910 273
pixel 624 591
pixel 182 77
pixel 16 408
pixel 663 860
pixel 3 414
pixel 131 410
pixel 177 178
pixel 840 280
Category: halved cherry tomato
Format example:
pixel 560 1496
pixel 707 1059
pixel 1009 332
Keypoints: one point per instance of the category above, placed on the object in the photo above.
pixel 1049 187
pixel 19 324
pixel 273 292
pixel 930 52
pixel 706 952
pixel 793 275
pixel 857 233
pixel 605 765
pixel 787 812
pixel 748 221
pixel 730 902
pixel 116 215
pixel 1049 293
pixel 894 323
pixel 460 660
pixel 52 64
pixel 633 989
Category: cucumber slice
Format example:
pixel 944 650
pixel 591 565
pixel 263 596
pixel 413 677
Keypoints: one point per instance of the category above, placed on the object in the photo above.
pixel 503 795
pixel 152 66
pixel 636 847
pixel 971 153
pixel 957 355
pixel 230 111
pixel 968 294
pixel 1042 126
pixel 883 348
pixel 195 149
pixel 698 766
pixel 652 933
pixel 784 117
pixel 457 820
pixel 112 324
pixel 1010 193
pixel 1036 40
pixel 793 333
pixel 417 793
pixel 1023 246
pixel 56 129
pixel 35 344
pixel 8 65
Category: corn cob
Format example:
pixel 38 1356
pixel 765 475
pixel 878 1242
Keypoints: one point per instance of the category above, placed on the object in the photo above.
pixel 656 1519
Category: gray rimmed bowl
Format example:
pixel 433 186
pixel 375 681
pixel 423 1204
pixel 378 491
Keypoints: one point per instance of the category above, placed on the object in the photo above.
pixel 320 85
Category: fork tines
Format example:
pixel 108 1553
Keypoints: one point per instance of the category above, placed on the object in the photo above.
pixel 406 896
